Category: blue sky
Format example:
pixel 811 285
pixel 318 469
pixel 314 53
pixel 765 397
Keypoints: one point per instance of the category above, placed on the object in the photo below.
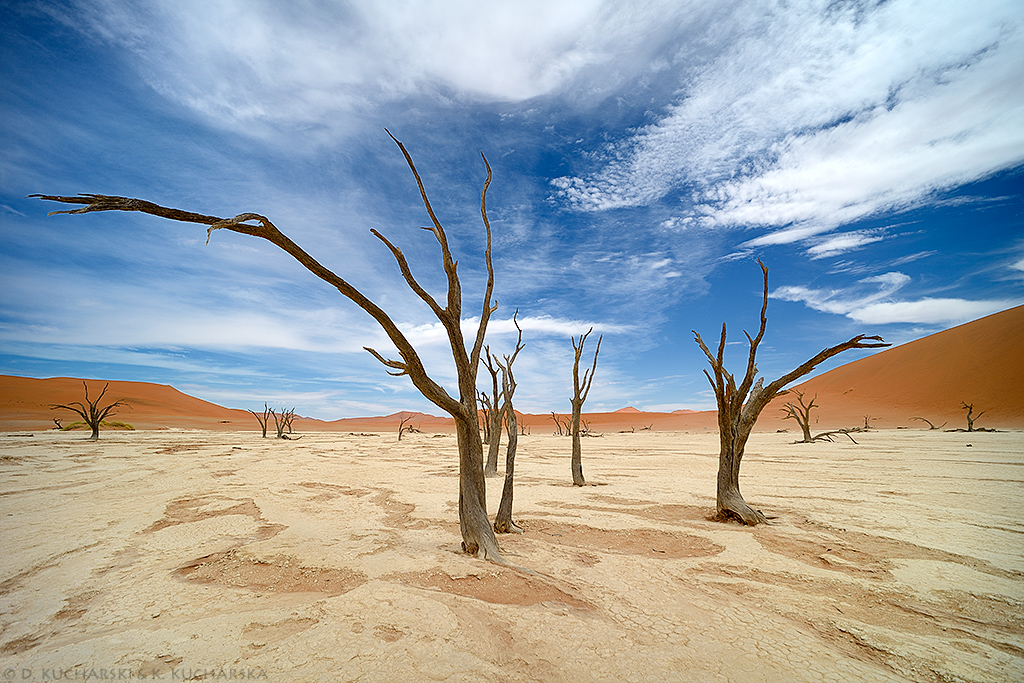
pixel 644 155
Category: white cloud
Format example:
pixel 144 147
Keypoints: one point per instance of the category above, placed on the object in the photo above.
pixel 843 302
pixel 873 308
pixel 928 311
pixel 255 62
pixel 839 244
pixel 813 115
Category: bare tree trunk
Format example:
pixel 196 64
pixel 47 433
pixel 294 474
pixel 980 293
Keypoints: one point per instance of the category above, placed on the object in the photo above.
pixel 263 418
pixel 577 457
pixel 477 534
pixel 739 407
pixel 495 417
pixel 503 519
pixel 580 392
pixel 485 419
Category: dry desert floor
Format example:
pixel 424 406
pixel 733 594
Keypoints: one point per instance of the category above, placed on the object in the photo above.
pixel 177 555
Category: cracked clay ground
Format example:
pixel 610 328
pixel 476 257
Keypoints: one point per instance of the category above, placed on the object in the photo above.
pixel 185 554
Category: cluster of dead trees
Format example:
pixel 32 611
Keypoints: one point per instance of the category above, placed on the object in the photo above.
pixel 801 412
pixel 971 419
pixel 477 533
pixel 740 400
pixel 283 419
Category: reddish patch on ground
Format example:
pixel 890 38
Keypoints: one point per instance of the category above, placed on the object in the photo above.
pixel 281 575
pixel 646 542
pixel 508 587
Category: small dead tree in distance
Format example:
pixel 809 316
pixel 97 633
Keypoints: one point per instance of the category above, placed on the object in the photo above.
pixel 262 419
pixel 402 428
pixel 930 425
pixel 969 407
pixel 93 415
pixel 494 417
pixel 485 416
pixel 477 534
pixel 503 518
pixel 283 422
pixel 737 412
pixel 580 391
pixel 801 413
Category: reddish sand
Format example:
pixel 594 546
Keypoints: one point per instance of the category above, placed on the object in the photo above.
pixel 979 362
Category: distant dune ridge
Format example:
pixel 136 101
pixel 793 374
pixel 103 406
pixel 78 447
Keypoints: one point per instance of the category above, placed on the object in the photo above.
pixel 981 362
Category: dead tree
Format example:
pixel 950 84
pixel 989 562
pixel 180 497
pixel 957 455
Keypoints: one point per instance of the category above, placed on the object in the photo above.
pixel 930 425
pixel 283 422
pixel 580 390
pixel 827 436
pixel 477 534
pixel 739 407
pixel 90 411
pixel 969 407
pixel 558 423
pixel 57 421
pixel 503 518
pixel 801 413
pixel 262 419
pixel 402 428
pixel 485 416
pixel 493 417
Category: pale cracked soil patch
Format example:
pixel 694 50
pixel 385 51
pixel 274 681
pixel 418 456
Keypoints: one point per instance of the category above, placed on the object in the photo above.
pixel 336 557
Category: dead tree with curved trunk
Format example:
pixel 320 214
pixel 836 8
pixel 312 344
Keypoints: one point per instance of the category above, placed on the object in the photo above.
pixel 930 425
pixel 580 390
pixel 503 518
pixel 739 407
pixel 404 426
pixel 801 413
pixel 263 418
pixel 90 411
pixel 477 534
pixel 969 407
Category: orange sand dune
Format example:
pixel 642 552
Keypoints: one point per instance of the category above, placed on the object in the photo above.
pixel 981 362
pixel 25 404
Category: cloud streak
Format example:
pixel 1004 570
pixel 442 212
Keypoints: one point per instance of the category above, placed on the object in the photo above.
pixel 878 308
pixel 815 115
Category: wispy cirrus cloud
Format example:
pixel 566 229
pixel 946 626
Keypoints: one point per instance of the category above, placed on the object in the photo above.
pixel 871 301
pixel 810 116
pixel 842 243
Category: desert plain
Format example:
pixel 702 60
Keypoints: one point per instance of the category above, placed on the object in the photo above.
pixel 181 554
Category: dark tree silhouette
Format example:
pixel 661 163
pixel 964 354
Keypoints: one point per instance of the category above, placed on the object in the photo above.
pixel 283 422
pixel 263 418
pixel 503 519
pixel 493 415
pixel 930 425
pixel 969 407
pixel 580 391
pixel 801 413
pixel 477 534
pixel 91 411
pixel 404 427
pixel 739 407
